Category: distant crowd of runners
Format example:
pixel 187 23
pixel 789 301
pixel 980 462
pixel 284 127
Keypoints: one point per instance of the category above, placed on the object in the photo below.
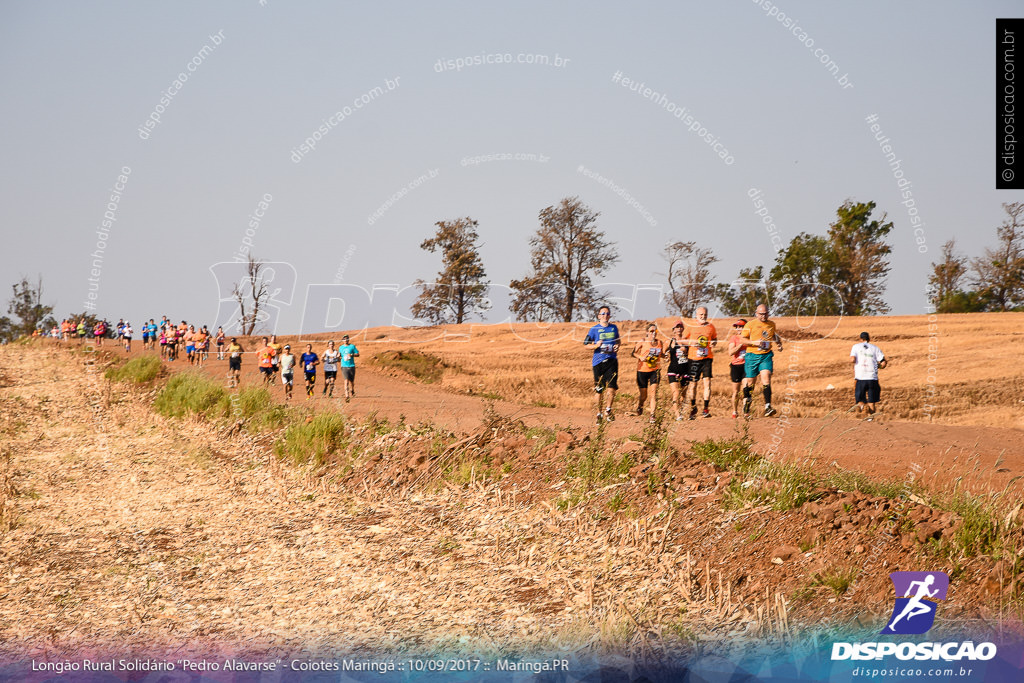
pixel 273 358
pixel 689 355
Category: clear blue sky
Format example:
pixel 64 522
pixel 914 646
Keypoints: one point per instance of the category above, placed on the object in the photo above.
pixel 80 78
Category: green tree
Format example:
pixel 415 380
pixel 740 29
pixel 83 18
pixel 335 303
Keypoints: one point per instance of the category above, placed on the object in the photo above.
pixel 945 284
pixel 565 253
pixel 840 273
pixel 742 295
pixel 862 257
pixel 802 276
pixel 999 273
pixel 27 306
pixel 689 277
pixel 460 289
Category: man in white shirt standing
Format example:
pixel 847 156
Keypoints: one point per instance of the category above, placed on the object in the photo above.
pixel 867 359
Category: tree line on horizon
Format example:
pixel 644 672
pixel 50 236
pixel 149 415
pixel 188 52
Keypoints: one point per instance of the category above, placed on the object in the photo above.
pixel 842 272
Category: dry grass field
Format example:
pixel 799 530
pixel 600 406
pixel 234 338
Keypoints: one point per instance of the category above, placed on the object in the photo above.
pixel 466 502
pixel 973 368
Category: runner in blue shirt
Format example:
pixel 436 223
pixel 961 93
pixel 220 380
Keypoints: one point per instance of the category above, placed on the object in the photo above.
pixel 309 361
pixel 349 353
pixel 605 338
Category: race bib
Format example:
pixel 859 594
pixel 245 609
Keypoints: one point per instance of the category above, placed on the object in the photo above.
pixel 702 352
pixel 309 367
pixel 765 345
pixel 348 357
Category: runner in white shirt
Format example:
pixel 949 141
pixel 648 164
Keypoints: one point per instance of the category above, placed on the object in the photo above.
pixel 331 357
pixel 867 359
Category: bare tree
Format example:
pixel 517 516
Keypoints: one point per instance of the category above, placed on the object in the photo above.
pixel 565 253
pixel 689 277
pixel 252 294
pixel 999 274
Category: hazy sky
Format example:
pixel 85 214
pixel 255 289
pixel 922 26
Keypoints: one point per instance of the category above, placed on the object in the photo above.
pixel 80 80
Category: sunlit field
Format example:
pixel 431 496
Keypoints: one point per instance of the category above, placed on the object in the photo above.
pixel 969 359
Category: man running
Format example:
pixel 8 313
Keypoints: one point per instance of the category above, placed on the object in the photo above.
pixel 234 362
pixel 309 362
pixel 737 369
pixel 265 357
pixel 172 343
pixel 220 343
pixel 274 344
pixel 702 338
pixel 605 364
pixel 349 353
pixel 867 359
pixel 287 364
pixel 202 341
pixel 126 335
pixel 678 368
pixel 331 359
pixel 190 344
pixel 648 353
pixel 760 334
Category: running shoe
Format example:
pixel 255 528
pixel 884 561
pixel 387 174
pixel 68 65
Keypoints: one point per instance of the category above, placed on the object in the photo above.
pixel 746 406
pixel 599 417
pixel 768 410
pixel 735 415
pixel 679 418
pixel 705 413
pixel 869 418
pixel 608 415
pixel 653 420
pixel 639 411
pixel 693 413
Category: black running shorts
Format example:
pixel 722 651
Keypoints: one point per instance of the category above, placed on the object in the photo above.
pixel 700 368
pixel 606 375
pixel 738 372
pixel 643 379
pixel 867 391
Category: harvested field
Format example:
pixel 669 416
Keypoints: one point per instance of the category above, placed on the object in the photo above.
pixel 445 521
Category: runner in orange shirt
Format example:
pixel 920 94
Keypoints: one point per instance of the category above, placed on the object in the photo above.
pixel 201 339
pixel 702 338
pixel 648 353
pixel 265 358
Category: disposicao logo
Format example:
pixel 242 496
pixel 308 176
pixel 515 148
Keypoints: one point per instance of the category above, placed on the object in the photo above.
pixel 917 594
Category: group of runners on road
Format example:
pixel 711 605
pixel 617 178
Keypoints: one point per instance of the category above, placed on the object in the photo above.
pixel 273 357
pixel 689 355
pixel 276 359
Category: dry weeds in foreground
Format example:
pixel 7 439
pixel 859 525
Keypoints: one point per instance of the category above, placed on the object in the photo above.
pixel 148 535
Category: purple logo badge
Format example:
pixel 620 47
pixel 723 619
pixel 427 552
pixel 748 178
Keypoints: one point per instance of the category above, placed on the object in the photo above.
pixel 917 594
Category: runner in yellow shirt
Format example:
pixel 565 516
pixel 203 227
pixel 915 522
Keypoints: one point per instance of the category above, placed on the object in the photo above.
pixel 760 334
